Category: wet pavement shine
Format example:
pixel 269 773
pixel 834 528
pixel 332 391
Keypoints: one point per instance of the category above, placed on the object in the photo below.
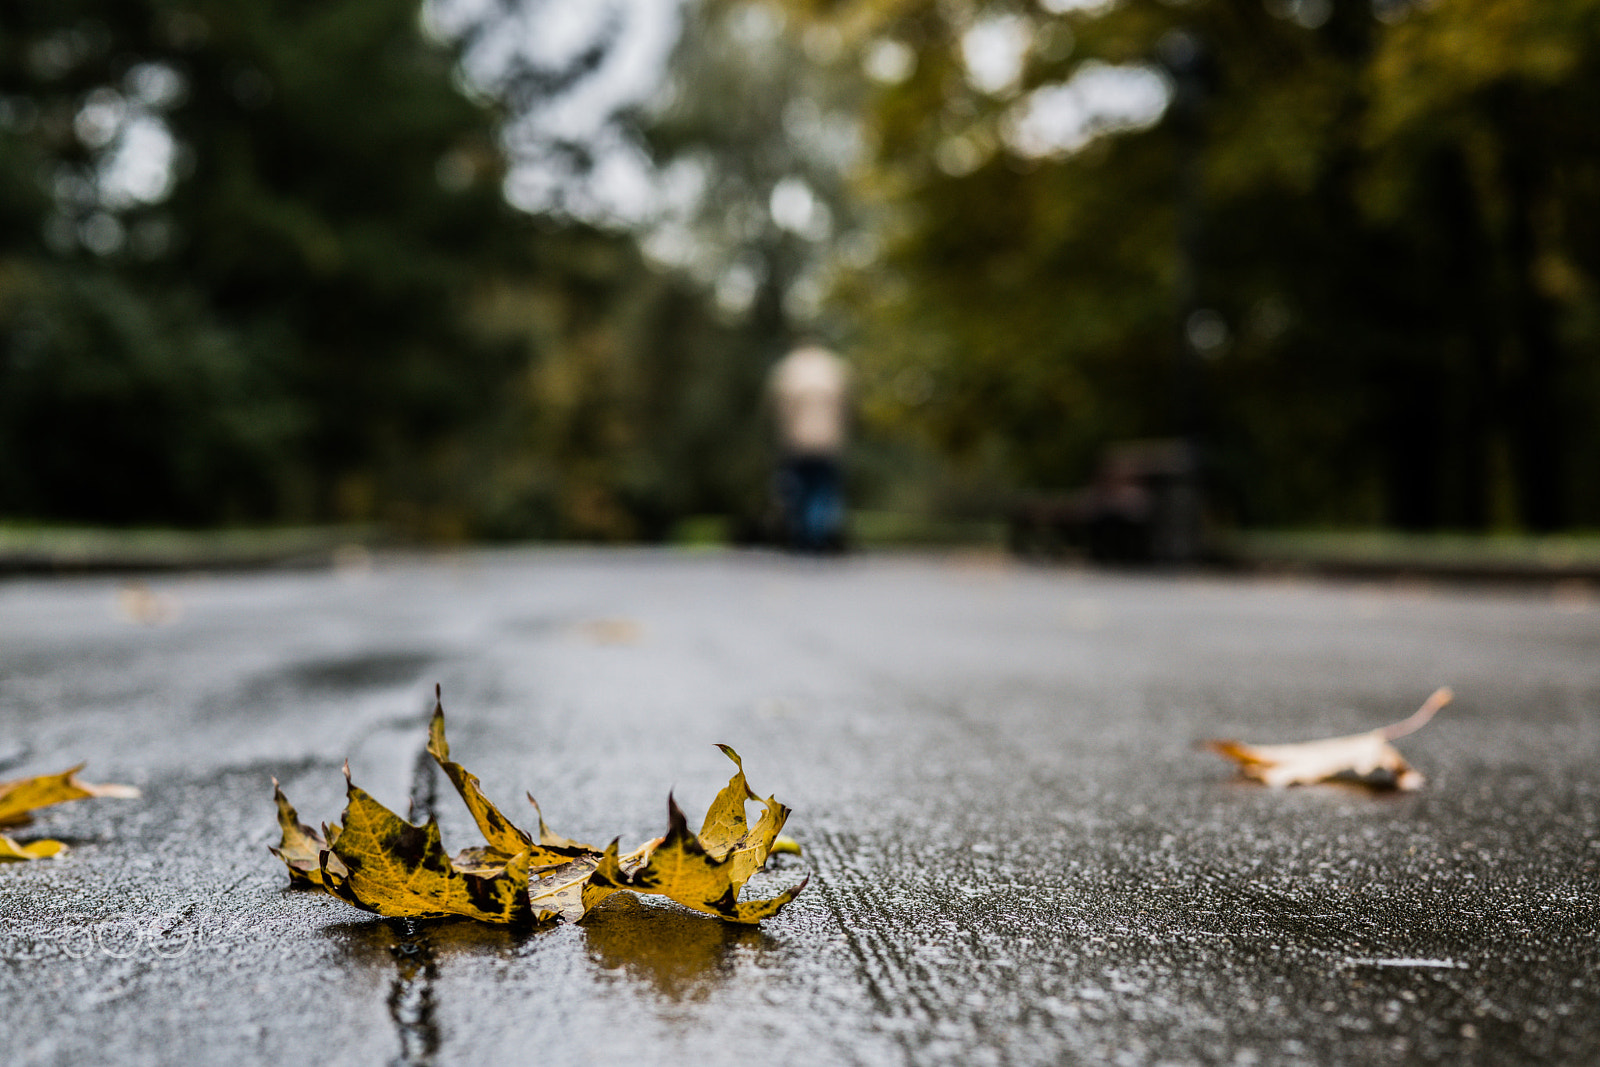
pixel 1017 854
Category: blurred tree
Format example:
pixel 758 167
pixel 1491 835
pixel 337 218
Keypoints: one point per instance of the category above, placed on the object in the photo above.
pixel 1486 156
pixel 755 136
pixel 1395 298
pixel 752 141
pixel 740 161
pixel 729 178
pixel 239 241
pixel 256 263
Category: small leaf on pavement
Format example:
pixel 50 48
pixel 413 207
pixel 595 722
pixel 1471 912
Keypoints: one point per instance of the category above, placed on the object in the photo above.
pixel 1368 758
pixel 20 798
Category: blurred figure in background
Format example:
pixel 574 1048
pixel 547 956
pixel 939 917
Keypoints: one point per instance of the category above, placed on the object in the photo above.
pixel 810 394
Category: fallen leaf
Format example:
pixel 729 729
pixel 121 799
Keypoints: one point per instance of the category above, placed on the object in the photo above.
pixel 505 840
pixel 302 847
pixel 683 869
pixel 705 871
pixel 725 836
pixel 137 602
pixel 20 798
pixel 379 862
pixel 612 631
pixel 1368 758
pixel 786 845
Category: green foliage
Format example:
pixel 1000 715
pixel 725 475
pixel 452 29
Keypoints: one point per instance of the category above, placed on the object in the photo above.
pixel 131 403
pixel 1392 211
pixel 327 311
pixel 321 307
pixel 282 326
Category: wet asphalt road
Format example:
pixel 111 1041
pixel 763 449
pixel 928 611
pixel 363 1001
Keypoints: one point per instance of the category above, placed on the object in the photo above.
pixel 1016 853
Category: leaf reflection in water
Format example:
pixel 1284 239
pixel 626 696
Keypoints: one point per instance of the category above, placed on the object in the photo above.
pixel 678 952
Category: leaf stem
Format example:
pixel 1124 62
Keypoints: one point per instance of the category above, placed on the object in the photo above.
pixel 1419 718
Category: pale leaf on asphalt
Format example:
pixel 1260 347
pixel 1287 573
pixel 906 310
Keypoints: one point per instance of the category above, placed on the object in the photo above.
pixel 1368 758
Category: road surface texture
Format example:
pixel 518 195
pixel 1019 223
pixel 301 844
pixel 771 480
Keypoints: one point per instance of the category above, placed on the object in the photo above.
pixel 1017 854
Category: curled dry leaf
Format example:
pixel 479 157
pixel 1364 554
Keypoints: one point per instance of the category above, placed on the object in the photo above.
pixel 1368 758
pixel 19 799
pixel 704 871
pixel 379 862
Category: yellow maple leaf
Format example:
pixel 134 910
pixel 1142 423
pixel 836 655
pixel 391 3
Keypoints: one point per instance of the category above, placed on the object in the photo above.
pixel 681 869
pixel 505 839
pixel 382 863
pixel 20 798
pixel 705 871
pixel 1368 758
pixel 726 835
pixel 302 847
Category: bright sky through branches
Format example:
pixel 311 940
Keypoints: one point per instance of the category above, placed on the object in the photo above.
pixel 597 61
pixel 1097 99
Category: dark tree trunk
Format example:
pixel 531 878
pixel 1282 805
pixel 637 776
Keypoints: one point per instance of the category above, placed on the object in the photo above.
pixel 1465 269
pixel 1535 419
